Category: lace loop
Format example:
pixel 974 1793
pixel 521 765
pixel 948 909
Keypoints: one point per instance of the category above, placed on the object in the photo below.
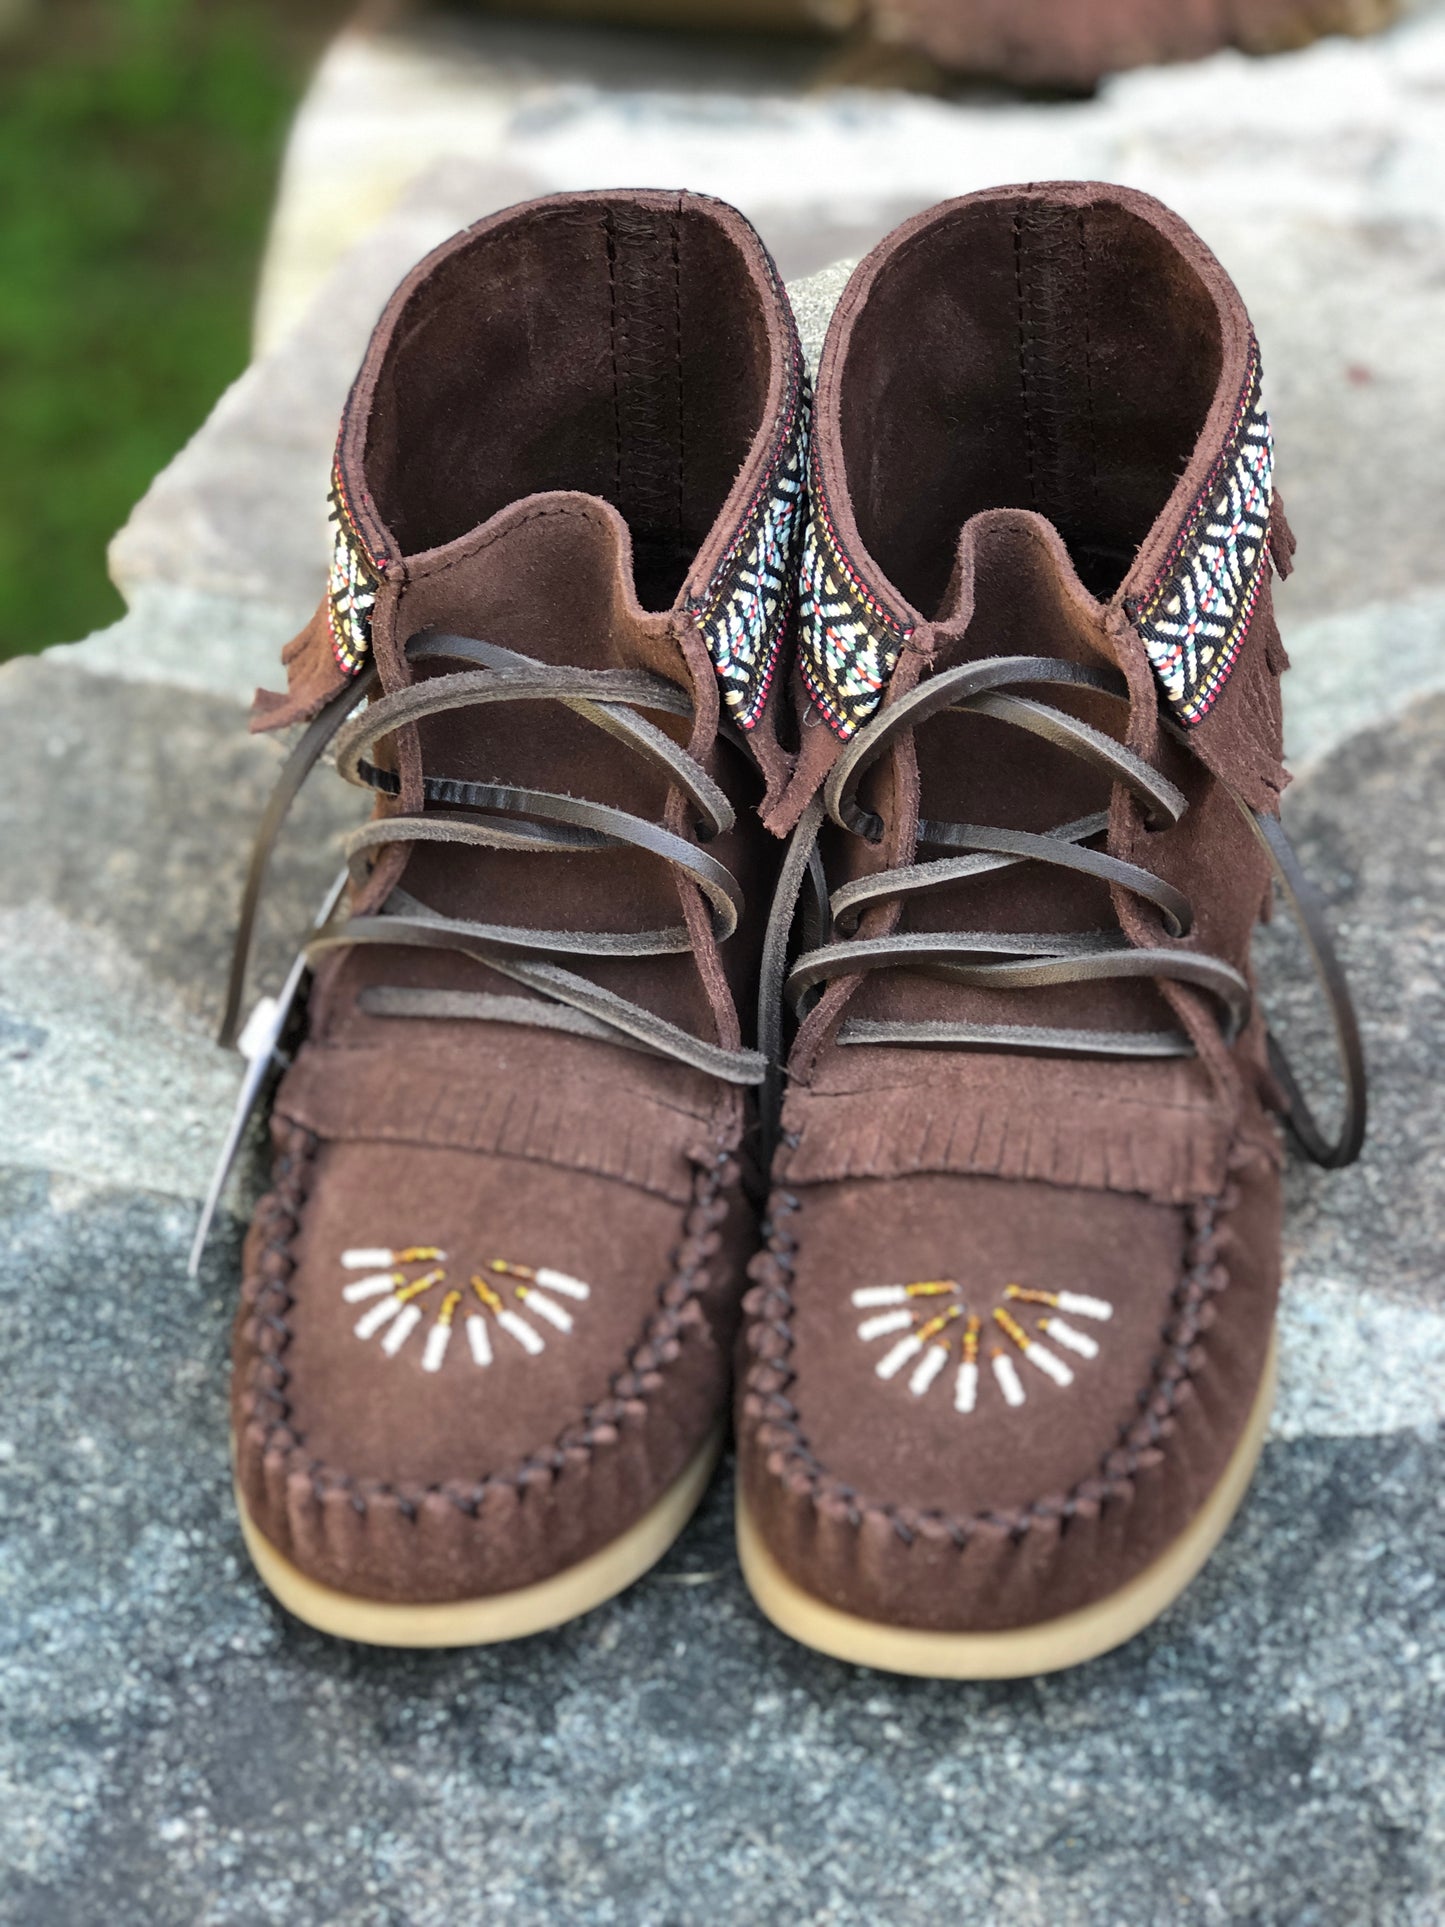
pixel 548 822
pixel 1001 961
pixel 977 686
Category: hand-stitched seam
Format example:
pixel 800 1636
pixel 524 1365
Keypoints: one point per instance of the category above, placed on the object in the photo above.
pixel 610 235
pixel 769 1305
pixel 639 1380
pixel 677 355
pixel 1023 354
pixel 1092 438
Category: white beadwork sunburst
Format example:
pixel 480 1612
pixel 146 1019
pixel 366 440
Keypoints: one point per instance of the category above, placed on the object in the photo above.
pixel 398 1289
pixel 923 1318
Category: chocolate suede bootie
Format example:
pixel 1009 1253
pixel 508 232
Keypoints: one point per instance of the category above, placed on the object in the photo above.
pixel 1011 1344
pixel 482 1360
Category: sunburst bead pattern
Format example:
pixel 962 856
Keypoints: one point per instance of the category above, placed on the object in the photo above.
pixel 925 1319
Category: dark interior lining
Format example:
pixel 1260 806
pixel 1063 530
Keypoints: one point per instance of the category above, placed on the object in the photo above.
pixel 614 349
pixel 1060 358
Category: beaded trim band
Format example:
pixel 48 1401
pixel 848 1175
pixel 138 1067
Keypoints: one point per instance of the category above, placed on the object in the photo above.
pixel 743 613
pixel 352 585
pixel 1195 617
pixel 847 641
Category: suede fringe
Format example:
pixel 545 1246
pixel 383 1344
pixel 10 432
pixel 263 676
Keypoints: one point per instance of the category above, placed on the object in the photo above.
pixel 1170 1155
pixel 607 1130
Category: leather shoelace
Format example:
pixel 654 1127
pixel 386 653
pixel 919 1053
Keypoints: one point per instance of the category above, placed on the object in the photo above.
pixel 1002 961
pixel 512 818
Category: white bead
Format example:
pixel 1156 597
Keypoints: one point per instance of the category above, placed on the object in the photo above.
pixel 479 1338
pixel 371 1287
pixel 437 1340
pixel 965 1388
pixel 544 1308
pixel 880 1295
pixel 519 1329
pixel 927 1369
pixel 559 1281
pixel 1084 1307
pixel 1008 1379
pixel 365 1260
pixel 401 1330
pixel 888 1321
pixel 894 1361
pixel 378 1316
pixel 1051 1366
pixel 1071 1340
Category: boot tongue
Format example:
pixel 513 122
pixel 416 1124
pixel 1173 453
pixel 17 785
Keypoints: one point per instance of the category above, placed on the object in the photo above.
pixel 549 578
pixel 552 578
pixel 1014 592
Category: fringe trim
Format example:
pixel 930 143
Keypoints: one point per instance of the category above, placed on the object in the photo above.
pixel 1172 1154
pixel 355 1095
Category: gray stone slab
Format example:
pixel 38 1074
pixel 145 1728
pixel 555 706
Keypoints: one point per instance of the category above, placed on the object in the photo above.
pixel 131 813
pixel 193 639
pixel 1369 827
pixel 106 1072
pixel 814 299
pixel 127 825
pixel 175 1752
pixel 1355 671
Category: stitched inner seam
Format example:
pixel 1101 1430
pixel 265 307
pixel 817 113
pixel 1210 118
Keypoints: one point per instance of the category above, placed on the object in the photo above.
pixel 1055 370
pixel 1024 352
pixel 646 299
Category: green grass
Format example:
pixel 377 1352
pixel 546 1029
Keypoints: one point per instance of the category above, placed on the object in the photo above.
pixel 139 141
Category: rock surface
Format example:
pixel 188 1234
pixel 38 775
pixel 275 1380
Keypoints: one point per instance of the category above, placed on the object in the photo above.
pixel 172 1748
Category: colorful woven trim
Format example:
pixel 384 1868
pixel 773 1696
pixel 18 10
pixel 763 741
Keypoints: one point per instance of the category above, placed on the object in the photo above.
pixel 1196 616
pixel 847 641
pixel 352 585
pixel 743 615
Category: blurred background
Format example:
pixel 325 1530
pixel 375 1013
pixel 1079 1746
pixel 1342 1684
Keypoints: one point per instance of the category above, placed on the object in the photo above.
pixel 142 143
pixel 139 143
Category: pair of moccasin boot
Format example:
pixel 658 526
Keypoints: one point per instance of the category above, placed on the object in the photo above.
pixel 935 727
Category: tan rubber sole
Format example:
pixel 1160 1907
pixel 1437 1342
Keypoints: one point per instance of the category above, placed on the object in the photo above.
pixel 506 1615
pixel 1026 1650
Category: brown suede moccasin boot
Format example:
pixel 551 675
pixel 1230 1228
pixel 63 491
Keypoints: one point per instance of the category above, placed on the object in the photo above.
pixel 482 1360
pixel 1011 1341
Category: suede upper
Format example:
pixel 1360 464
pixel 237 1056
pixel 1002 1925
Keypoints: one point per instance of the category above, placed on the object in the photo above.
pixel 489 1300
pixel 1017 1297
